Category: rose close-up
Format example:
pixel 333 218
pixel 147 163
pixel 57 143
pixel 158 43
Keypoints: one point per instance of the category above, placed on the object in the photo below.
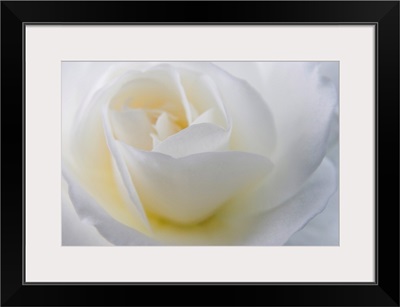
pixel 200 153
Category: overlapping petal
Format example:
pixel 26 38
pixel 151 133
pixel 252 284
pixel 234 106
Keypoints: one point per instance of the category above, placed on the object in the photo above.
pixel 133 127
pixel 190 189
pixel 323 230
pixel 90 213
pixel 197 138
pixel 303 104
pixel 253 127
pixel 276 226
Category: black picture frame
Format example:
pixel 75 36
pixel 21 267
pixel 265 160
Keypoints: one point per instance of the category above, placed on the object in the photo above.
pixel 383 14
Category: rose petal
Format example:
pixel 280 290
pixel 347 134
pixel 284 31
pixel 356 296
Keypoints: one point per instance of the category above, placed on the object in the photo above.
pixel 165 127
pixel 204 95
pixel 323 230
pixel 246 71
pixel 274 227
pixel 86 153
pixel 74 231
pixel 91 213
pixel 149 90
pixel 303 126
pixel 79 80
pixel 190 189
pixel 330 70
pixel 177 85
pixel 121 172
pixel 303 104
pixel 86 150
pixel 158 87
pixel 90 152
pixel 253 128
pixel 195 139
pixel 132 127
pixel 210 116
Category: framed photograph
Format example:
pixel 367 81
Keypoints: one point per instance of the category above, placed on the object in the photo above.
pixel 240 146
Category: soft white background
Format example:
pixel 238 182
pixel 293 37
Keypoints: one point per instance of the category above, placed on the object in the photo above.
pixel 47 46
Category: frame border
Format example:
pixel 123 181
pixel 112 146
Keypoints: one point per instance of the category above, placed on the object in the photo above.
pixel 384 15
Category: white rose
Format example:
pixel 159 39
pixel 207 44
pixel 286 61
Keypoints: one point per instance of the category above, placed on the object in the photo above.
pixel 191 154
